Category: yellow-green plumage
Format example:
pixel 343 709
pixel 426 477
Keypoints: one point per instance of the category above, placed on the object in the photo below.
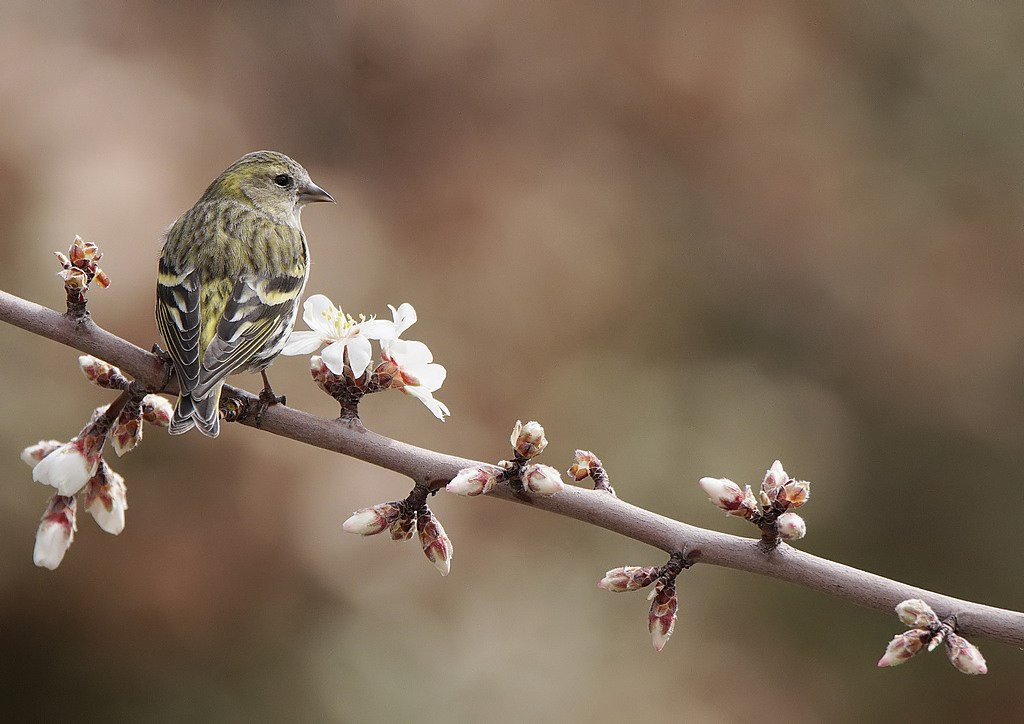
pixel 231 273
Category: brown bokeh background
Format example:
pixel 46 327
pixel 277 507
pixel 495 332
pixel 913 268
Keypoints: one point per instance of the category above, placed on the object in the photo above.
pixel 693 237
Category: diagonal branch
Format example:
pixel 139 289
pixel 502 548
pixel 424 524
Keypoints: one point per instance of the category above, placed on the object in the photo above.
pixel 596 507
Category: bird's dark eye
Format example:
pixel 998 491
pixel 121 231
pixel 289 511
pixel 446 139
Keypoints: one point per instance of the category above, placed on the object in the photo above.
pixel 283 180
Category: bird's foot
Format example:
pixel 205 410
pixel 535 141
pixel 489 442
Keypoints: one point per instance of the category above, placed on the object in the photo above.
pixel 267 398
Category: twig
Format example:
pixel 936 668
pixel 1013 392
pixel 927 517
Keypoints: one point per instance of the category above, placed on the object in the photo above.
pixel 598 507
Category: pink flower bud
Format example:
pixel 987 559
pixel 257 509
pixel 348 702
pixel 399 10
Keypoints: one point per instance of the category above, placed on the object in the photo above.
pixel 436 544
pixel 583 465
pixel 372 520
pixel 964 655
pixel 56 532
pixel 126 432
pixel 723 492
pixel 916 613
pixel 82 250
pixel 662 618
pixel 157 410
pixel 903 646
pixel 475 480
pixel 68 468
pixel 34 453
pixel 542 480
pixel 102 373
pixel 794 494
pixel 528 440
pixel 791 526
pixel 106 499
pixel 774 479
pixel 628 578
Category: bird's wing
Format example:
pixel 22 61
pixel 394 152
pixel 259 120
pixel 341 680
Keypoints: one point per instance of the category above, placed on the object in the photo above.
pixel 257 314
pixel 177 316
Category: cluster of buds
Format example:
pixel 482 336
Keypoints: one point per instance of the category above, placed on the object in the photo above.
pixel 771 510
pixel 345 368
pixel 661 619
pixel 586 464
pixel 77 466
pixel 928 632
pixel 401 518
pixel 345 388
pixel 348 389
pixel 79 269
pixel 528 441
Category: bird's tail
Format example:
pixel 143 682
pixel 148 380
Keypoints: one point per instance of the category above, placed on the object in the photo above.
pixel 203 413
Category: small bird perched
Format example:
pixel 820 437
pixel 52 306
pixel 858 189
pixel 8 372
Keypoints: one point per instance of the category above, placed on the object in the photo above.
pixel 231 273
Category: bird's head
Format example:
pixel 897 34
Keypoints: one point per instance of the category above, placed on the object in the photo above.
pixel 270 181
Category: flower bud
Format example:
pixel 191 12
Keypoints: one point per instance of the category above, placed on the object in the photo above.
pixel 101 278
pixel 102 373
pixel 126 432
pixel 791 526
pixel 662 618
pixel 83 251
pixel 34 453
pixel 56 532
pixel 903 646
pixel 475 480
pixel 964 655
pixel 372 520
pixel 436 544
pixel 106 499
pixel 793 494
pixel 916 613
pixel 628 578
pixel 542 480
pixel 774 479
pixel 723 492
pixel 68 468
pixel 583 465
pixel 528 440
pixel 157 410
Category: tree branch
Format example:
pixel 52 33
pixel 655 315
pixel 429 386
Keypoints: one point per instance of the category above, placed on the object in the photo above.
pixel 596 507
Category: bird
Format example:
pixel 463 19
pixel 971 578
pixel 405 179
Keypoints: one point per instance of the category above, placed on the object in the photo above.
pixel 231 272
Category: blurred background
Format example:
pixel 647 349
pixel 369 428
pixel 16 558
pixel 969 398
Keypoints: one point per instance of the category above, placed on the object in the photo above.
pixel 693 237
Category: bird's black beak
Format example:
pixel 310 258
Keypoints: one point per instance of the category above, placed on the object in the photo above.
pixel 311 192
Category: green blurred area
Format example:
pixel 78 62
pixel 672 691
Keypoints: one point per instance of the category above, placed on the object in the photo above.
pixel 692 237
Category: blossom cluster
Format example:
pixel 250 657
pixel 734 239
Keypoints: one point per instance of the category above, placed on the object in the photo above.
pixel 528 441
pixel 79 269
pixel 401 518
pixel 661 619
pixel 927 631
pixel 345 368
pixel 771 509
pixel 78 467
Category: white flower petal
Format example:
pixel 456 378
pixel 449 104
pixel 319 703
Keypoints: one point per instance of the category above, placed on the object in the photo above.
pixel 317 312
pixel 53 538
pixel 334 356
pixel 437 407
pixel 404 316
pixel 302 342
pixel 377 329
pixel 359 354
pixel 66 469
pixel 432 377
